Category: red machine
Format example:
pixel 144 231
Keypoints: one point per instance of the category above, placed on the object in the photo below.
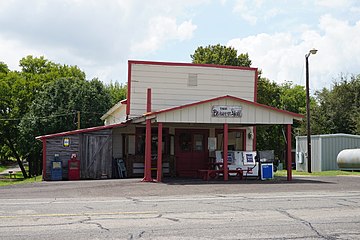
pixel 74 168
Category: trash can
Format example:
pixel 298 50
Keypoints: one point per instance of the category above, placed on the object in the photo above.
pixel 56 169
pixel 267 171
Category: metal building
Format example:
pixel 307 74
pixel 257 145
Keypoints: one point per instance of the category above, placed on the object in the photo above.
pixel 324 151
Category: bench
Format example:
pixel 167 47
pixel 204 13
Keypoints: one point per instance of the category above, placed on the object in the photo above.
pixel 207 174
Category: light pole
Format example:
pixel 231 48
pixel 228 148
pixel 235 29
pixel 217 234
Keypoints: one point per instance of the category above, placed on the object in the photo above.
pixel 312 51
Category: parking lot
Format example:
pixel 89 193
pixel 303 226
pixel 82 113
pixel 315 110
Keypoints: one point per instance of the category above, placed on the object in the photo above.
pixel 306 208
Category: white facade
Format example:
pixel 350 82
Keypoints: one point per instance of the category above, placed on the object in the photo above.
pixel 179 84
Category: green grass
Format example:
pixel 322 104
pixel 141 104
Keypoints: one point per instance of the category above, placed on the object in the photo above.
pixel 2 168
pixel 18 178
pixel 7 181
pixel 324 173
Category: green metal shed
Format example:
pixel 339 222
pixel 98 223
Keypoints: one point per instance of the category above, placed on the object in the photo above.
pixel 324 150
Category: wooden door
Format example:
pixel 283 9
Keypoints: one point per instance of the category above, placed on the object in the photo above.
pixel 191 151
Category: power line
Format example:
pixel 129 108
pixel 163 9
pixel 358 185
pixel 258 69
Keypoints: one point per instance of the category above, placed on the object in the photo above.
pixel 32 118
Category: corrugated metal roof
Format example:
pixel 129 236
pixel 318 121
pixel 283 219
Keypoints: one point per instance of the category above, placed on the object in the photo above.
pixel 331 135
pixel 92 129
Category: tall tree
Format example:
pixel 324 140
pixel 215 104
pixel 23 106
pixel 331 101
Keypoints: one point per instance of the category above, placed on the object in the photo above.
pixel 18 91
pixel 54 109
pixel 338 110
pixel 221 55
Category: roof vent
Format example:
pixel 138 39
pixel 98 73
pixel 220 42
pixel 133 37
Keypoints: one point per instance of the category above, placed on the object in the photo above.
pixel 193 80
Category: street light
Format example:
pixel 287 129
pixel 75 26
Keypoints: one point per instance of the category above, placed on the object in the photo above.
pixel 312 51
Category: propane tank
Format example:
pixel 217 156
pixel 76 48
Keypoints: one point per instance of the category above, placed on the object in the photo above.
pixel 349 159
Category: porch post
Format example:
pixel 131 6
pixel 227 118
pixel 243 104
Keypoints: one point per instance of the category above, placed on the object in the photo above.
pixel 288 147
pixel 225 152
pixel 147 165
pixel 159 153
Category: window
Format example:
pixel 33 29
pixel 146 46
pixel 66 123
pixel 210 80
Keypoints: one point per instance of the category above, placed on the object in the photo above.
pixel 185 142
pixel 140 141
pixel 236 140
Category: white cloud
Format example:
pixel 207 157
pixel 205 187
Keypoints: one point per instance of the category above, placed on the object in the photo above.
pixel 248 14
pixel 281 55
pixel 160 30
pixel 95 35
pixel 334 3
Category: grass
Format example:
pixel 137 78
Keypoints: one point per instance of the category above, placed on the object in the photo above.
pixel 17 178
pixel 324 173
pixel 2 168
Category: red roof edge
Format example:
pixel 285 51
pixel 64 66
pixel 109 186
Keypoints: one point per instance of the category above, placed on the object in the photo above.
pixel 92 129
pixel 189 64
pixel 297 115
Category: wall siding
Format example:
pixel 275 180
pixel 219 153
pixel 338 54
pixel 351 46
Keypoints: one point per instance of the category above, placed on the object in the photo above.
pixel 55 146
pixel 325 149
pixel 202 114
pixel 170 88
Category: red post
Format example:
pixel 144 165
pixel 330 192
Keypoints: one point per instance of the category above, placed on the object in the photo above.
pixel 159 153
pixel 44 158
pixel 147 165
pixel 254 138
pixel 148 102
pixel 288 147
pixel 225 152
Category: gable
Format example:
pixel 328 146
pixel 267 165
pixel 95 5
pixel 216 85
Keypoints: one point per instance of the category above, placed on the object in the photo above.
pixel 251 113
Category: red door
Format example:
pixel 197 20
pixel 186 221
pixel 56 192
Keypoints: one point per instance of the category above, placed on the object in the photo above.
pixel 191 151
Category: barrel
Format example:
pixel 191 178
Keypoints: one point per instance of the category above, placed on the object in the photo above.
pixel 349 159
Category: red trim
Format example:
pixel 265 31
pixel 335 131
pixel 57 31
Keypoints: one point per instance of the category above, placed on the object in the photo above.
pixel 148 102
pixel 128 90
pixel 93 129
pixel 225 151
pixel 159 153
pixel 190 65
pixel 44 158
pixel 224 97
pixel 147 164
pixel 124 101
pixel 289 157
pixel 256 85
pixel 254 138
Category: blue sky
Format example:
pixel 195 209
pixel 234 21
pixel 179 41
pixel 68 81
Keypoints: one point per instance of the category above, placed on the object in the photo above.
pixel 100 36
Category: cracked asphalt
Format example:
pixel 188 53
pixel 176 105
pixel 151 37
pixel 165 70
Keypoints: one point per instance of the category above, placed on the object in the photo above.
pixel 306 208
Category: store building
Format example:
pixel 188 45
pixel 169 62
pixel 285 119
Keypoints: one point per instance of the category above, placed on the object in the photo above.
pixel 175 117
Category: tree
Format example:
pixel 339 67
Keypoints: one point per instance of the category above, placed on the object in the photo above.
pixel 117 92
pixel 18 91
pixel 54 109
pixel 338 110
pixel 221 55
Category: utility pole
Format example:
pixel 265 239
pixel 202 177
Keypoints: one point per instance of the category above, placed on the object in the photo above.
pixel 78 119
pixel 308 131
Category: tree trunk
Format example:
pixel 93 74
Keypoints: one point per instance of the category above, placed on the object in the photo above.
pixel 16 155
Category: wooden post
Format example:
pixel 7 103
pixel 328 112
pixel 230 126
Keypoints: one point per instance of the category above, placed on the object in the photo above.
pixel 147 164
pixel 225 152
pixel 159 153
pixel 289 157
pixel 44 158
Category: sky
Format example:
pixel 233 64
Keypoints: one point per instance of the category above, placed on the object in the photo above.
pixel 100 36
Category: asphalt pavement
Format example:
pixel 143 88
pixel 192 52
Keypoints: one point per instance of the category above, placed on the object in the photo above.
pixel 305 208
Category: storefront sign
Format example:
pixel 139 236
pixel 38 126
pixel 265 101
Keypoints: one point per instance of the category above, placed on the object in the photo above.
pixel 226 111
